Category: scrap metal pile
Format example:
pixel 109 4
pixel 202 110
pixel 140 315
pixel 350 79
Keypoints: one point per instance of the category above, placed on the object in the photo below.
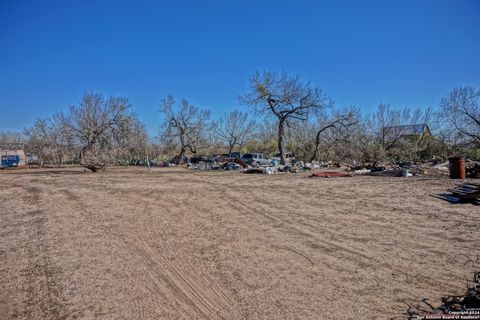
pixel 269 167
pixel 257 163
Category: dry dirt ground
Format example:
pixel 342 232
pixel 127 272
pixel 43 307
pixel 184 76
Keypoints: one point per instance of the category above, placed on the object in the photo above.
pixel 176 244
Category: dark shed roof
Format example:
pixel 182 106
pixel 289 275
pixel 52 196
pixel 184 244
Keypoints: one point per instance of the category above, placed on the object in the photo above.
pixel 411 129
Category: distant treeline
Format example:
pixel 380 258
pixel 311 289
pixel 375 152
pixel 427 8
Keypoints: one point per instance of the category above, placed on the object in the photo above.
pixel 281 113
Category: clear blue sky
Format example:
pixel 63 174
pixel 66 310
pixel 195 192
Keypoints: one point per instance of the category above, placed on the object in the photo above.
pixel 407 53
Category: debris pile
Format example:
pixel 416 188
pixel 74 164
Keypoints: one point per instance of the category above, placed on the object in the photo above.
pixel 380 170
pixel 409 169
pixel 469 301
pixel 472 169
pixel 263 164
pixel 466 306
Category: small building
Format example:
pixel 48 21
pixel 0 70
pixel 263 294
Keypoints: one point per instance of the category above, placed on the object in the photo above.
pixel 12 155
pixel 411 132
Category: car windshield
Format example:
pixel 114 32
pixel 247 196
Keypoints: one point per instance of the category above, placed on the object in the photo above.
pixel 248 155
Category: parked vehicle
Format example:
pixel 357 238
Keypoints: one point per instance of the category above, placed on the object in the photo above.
pixel 32 159
pixel 222 157
pixel 197 158
pixel 256 159
pixel 179 160
pixel 213 158
pixel 289 157
pixel 233 155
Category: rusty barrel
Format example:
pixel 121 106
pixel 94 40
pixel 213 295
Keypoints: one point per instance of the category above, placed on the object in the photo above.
pixel 457 167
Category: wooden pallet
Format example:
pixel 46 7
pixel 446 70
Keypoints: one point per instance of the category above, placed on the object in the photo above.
pixel 466 192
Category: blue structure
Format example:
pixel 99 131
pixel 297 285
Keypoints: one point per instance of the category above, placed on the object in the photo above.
pixel 9 161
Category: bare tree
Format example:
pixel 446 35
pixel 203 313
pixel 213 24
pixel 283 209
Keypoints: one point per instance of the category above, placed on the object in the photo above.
pixel 133 144
pixel 234 128
pixel 11 137
pixel 285 97
pixel 386 125
pixel 461 108
pixel 266 131
pixel 335 120
pixel 263 138
pixel 97 124
pixel 184 126
pixel 50 140
pixel 299 139
pixel 400 130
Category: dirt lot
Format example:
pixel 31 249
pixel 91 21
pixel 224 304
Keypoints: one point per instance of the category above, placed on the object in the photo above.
pixel 176 244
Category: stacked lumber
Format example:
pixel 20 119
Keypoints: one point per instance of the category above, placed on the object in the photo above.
pixel 466 192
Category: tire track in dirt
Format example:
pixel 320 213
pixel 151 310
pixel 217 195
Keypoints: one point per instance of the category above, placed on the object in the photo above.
pixel 418 239
pixel 118 242
pixel 241 207
pixel 43 295
pixel 201 293
pixel 336 249
pixel 373 219
pixel 162 285
pixel 192 294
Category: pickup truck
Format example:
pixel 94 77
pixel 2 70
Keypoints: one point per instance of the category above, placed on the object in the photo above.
pixel 256 159
pixel 289 157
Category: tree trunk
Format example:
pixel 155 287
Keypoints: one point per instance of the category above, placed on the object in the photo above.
pixel 281 132
pixel 88 159
pixel 180 155
pixel 183 146
pixel 193 148
pixel 83 158
pixel 317 141
pixel 317 145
